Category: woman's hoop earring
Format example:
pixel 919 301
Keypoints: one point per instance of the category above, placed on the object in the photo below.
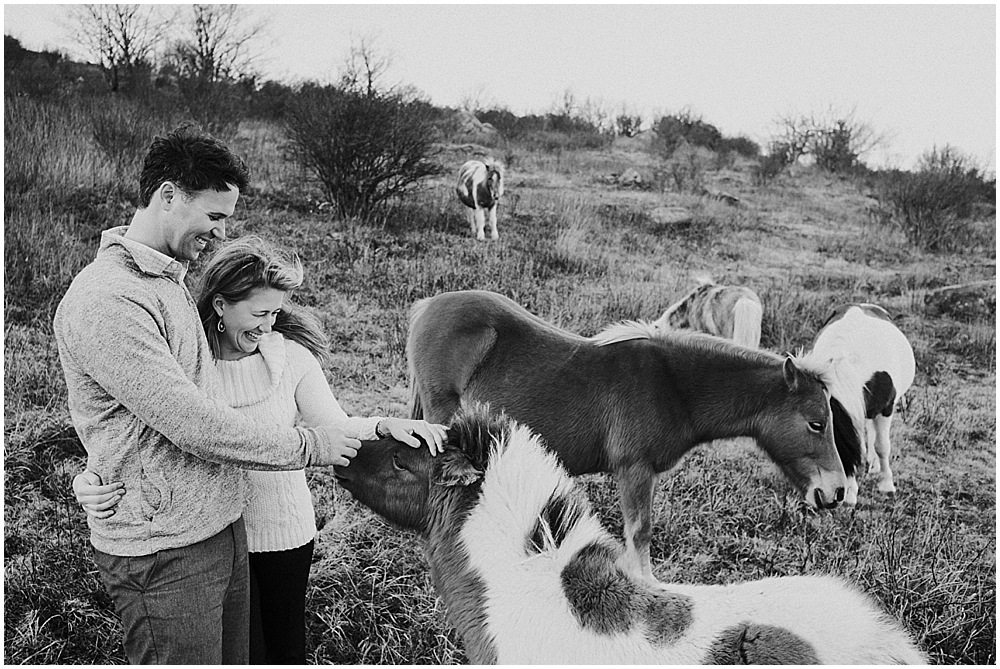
pixel 221 327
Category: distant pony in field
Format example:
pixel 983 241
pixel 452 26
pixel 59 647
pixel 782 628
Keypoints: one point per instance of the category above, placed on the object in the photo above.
pixel 529 576
pixel 731 312
pixel 863 337
pixel 630 401
pixel 480 187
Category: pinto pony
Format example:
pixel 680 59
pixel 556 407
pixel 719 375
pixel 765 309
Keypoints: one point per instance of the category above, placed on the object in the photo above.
pixel 731 312
pixel 862 337
pixel 630 401
pixel 480 187
pixel 529 576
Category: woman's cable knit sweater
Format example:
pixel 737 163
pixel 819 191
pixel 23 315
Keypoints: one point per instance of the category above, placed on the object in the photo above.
pixel 284 384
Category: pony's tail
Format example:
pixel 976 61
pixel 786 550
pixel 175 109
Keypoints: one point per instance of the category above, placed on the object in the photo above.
pixel 416 407
pixel 747 315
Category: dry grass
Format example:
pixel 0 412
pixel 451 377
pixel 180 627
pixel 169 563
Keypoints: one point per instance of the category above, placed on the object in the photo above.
pixel 581 255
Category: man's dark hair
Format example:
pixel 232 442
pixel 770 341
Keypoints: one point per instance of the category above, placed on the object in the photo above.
pixel 194 161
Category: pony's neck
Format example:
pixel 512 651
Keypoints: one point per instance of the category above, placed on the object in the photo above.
pixel 460 587
pixel 725 402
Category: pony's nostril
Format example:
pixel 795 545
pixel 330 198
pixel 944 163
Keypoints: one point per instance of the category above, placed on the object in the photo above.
pixel 840 494
pixel 818 495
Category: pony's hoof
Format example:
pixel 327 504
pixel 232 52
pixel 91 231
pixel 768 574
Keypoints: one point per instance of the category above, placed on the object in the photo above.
pixel 887 488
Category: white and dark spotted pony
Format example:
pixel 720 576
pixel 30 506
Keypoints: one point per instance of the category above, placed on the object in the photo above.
pixel 480 187
pixel 864 338
pixel 730 312
pixel 529 575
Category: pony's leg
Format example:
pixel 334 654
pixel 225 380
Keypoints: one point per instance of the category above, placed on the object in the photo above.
pixel 471 217
pixel 883 448
pixel 635 488
pixel 493 223
pixel 851 494
pixel 480 223
pixel 869 447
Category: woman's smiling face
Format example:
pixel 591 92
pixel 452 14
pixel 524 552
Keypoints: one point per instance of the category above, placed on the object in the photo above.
pixel 247 321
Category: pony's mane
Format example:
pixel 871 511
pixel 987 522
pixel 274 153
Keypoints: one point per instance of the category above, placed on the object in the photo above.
pixel 631 330
pixel 525 488
pixel 626 331
pixel 494 164
pixel 842 380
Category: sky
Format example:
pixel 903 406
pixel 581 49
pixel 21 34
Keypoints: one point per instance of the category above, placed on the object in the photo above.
pixel 918 75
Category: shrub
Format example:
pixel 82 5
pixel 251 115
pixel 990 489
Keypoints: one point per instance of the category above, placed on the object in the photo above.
pixel 685 170
pixel 627 125
pixel 270 101
pixel 673 129
pixel 834 149
pixel 935 207
pixel 744 146
pixel 770 166
pixel 363 149
pixel 552 133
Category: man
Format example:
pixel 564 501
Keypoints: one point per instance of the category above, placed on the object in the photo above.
pixel 140 377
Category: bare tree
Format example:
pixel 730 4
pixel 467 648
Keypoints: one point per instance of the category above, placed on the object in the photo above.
pixel 835 138
pixel 365 67
pixel 121 38
pixel 218 44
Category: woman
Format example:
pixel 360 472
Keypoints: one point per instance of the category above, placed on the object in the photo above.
pixel 266 351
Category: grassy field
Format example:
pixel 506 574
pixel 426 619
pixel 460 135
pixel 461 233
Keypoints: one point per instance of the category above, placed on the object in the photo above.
pixel 582 253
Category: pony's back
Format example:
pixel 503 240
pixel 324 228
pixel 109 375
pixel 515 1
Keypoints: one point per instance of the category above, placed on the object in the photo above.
pixel 871 342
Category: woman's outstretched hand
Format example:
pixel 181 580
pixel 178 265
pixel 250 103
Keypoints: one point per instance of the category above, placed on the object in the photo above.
pixel 99 501
pixel 404 429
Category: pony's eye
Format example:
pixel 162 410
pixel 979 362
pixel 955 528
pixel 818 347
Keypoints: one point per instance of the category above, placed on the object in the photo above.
pixel 816 426
pixel 395 462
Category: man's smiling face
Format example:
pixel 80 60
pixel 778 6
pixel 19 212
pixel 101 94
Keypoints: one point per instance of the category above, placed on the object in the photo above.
pixel 195 220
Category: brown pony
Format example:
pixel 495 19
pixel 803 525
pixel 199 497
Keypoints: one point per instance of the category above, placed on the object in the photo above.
pixel 630 401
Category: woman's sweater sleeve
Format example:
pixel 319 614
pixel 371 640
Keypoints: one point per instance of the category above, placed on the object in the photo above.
pixel 316 403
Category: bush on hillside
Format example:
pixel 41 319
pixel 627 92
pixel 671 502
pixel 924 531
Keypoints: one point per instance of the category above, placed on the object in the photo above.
pixel 684 127
pixel 834 148
pixel 553 133
pixel 628 125
pixel 364 150
pixel 743 146
pixel 779 156
pixel 937 205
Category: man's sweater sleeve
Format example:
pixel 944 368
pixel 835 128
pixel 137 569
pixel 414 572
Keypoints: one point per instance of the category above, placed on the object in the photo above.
pixel 132 363
pixel 316 402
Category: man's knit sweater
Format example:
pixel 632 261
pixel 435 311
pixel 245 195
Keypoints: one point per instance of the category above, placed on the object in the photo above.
pixel 282 384
pixel 141 380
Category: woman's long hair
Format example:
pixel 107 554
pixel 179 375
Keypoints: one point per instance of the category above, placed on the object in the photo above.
pixel 245 265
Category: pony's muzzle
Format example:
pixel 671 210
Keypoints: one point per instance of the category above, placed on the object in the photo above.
pixel 820 499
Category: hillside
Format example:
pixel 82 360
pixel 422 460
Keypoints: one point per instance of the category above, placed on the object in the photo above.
pixel 587 238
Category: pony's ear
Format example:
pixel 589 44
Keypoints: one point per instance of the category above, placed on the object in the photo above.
pixel 791 373
pixel 455 469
